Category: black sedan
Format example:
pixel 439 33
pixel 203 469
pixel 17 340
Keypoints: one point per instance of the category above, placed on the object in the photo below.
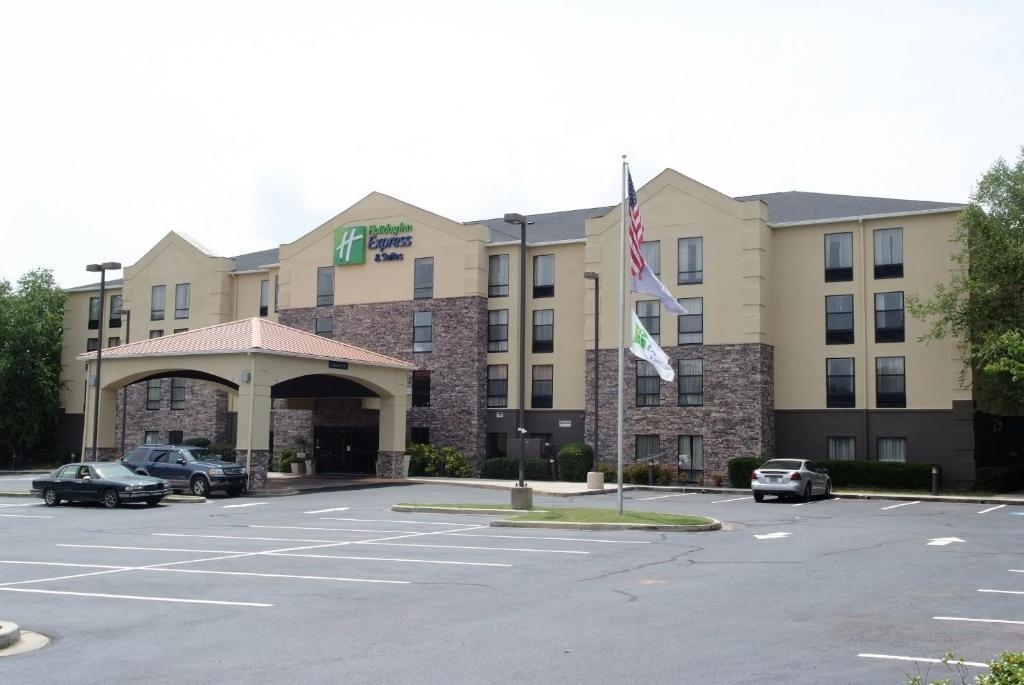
pixel 107 482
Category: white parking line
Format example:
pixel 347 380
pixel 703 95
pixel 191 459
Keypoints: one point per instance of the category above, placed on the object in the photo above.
pixel 237 537
pixel 272 575
pixel 975 664
pixel 537 537
pixel 324 511
pixel 155 549
pixel 26 516
pixel 904 504
pixel 26 504
pixel 136 597
pixel 723 501
pixel 343 530
pixel 1004 592
pixel 998 506
pixel 421 523
pixel 978 620
pixel 395 559
pixel 492 549
pixel 681 494
pixel 247 504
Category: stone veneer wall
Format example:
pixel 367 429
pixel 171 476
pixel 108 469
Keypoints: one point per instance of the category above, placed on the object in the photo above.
pixel 458 363
pixel 257 469
pixel 737 418
pixel 205 413
pixel 289 425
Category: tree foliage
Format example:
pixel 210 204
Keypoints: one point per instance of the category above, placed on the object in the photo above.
pixel 31 327
pixel 982 305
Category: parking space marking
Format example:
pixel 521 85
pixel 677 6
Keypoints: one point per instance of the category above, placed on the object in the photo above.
pixel 136 597
pixel 538 537
pixel 422 523
pixel 723 501
pixel 324 511
pixel 236 537
pixel 1004 592
pixel 491 549
pixel 247 504
pixel 1016 570
pixel 904 504
pixel 978 620
pixel 271 575
pixel 26 504
pixel 26 516
pixel 681 494
pixel 927 660
pixel 998 506
pixel 343 530
pixel 155 549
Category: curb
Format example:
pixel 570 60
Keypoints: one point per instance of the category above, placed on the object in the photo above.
pixel 276 492
pixel 9 634
pixel 470 483
pixel 15 493
pixel 460 510
pixel 948 499
pixel 653 527
pixel 184 499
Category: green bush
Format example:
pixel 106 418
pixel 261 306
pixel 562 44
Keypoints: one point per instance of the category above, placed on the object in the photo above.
pixel 638 474
pixel 740 468
pixel 574 460
pixel 284 464
pixel 423 460
pixel 879 474
pixel 1008 669
pixel 999 478
pixel 198 442
pixel 610 472
pixel 223 450
pixel 455 464
pixel 426 460
pixel 507 468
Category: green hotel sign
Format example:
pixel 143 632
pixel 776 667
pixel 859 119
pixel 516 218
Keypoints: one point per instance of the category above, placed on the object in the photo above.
pixel 352 242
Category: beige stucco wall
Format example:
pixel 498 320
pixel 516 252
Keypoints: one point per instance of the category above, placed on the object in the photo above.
pixel 76 335
pixel 246 295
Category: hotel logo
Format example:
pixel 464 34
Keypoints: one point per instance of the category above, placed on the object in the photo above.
pixel 350 245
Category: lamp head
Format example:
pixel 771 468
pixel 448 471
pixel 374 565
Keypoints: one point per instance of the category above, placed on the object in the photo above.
pixel 514 218
pixel 94 267
pixel 590 275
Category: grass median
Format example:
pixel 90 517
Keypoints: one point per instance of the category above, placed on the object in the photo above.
pixel 582 514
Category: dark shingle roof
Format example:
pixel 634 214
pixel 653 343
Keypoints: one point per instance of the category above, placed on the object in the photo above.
pixel 568 225
pixel 254 260
pixel 800 206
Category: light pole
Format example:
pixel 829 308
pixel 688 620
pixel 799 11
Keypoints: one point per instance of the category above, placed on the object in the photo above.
pixel 521 421
pixel 593 276
pixel 127 314
pixel 102 269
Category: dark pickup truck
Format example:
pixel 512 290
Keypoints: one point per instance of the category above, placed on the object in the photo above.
pixel 195 469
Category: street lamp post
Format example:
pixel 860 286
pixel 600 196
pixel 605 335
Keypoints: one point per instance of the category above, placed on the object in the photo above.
pixel 127 314
pixel 521 221
pixel 102 269
pixel 593 276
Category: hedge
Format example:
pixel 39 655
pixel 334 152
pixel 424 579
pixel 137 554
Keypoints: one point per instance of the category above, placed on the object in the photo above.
pixel 425 460
pixel 876 474
pixel 507 468
pixel 574 461
pixel 999 478
pixel 740 468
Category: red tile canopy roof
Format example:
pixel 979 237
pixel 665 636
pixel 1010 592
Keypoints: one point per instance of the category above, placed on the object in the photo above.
pixel 250 335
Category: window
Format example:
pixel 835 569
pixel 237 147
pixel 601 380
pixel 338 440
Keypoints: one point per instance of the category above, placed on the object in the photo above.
pixel 691 324
pixel 181 330
pixel 181 299
pixel 264 296
pixel 649 313
pixel 839 384
pixel 175 437
pixel 544 330
pixel 838 257
pixel 92 344
pixel 422 332
pixel 648 385
pixel 497 385
pixel 497 445
pixel 152 438
pixel 177 393
pixel 543 386
pixel 691 457
pixel 277 291
pixel 647 447
pixel 651 250
pixel 156 333
pixel 691 382
pixel 94 312
pixel 423 278
pixel 324 326
pixel 115 311
pixel 421 388
pixel 892 449
pixel 497 330
pixel 889 253
pixel 153 394
pixel 113 341
pixel 889 317
pixel 838 319
pixel 325 286
pixel 842 448
pixel 497 275
pixel 157 297
pixel 691 261
pixel 544 275
pixel 890 382
pixel 419 435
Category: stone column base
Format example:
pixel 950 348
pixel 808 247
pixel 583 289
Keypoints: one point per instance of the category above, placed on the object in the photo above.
pixel 257 469
pixel 392 465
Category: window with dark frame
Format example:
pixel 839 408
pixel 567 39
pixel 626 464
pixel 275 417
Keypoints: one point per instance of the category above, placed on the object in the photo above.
pixel 651 250
pixel 422 332
pixel 325 286
pixel 419 435
pixel 497 330
pixel 92 344
pixel 544 275
pixel 180 330
pixel 691 382
pixel 890 382
pixel 157 301
pixel 497 275
pixel 182 295
pixel 889 319
pixel 838 257
pixel 151 438
pixel 423 278
pixel 113 341
pixel 421 388
pixel 892 449
pixel 497 445
pixel 691 324
pixel 648 447
pixel 888 244
pixel 840 387
pixel 497 385
pixel 842 447
pixel 542 391
pixel 264 297
pixel 277 291
pixel 175 437
pixel 156 333
pixel 691 261
pixel 690 464
pixel 94 313
pixel 544 330
pixel 838 319
pixel 648 385
pixel 177 393
pixel 649 313
pixel 324 326
pixel 114 313
pixel 153 394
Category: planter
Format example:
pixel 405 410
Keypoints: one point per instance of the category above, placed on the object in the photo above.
pixel 298 467
pixel 301 456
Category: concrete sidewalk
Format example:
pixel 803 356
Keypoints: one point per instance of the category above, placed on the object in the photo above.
pixel 540 487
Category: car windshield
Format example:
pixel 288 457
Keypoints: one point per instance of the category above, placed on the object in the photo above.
pixel 198 454
pixel 111 471
pixel 785 464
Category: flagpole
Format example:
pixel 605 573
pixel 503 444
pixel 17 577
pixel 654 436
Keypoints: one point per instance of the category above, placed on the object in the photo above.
pixel 622 328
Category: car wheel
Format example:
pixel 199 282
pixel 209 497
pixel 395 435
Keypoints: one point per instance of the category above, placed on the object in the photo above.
pixel 807 494
pixel 758 496
pixel 199 487
pixel 235 491
pixel 828 489
pixel 153 501
pixel 110 499
pixel 50 497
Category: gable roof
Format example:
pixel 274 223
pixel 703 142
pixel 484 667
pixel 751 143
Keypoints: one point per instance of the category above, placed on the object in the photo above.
pixel 255 260
pixel 553 226
pixel 799 206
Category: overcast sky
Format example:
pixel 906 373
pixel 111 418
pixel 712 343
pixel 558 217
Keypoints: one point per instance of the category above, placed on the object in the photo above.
pixel 246 125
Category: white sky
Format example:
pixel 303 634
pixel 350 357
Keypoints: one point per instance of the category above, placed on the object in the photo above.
pixel 246 125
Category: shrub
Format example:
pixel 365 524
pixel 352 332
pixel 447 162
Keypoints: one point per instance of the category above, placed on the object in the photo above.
pixel 422 458
pixel 1008 669
pixel 999 478
pixel 198 442
pixel 610 472
pixel 638 474
pixel 740 468
pixel 285 462
pixel 507 468
pixel 879 474
pixel 223 450
pixel 574 460
pixel 454 463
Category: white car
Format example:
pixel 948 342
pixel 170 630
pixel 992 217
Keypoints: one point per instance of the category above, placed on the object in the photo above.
pixel 790 478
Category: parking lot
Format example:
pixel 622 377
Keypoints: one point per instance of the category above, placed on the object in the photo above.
pixel 334 587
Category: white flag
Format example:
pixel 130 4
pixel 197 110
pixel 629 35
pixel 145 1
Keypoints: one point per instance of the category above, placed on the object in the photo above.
pixel 645 348
pixel 647 283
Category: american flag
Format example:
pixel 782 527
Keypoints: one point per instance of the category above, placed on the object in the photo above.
pixel 636 232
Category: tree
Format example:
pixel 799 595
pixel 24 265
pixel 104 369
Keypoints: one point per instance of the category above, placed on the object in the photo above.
pixel 982 305
pixel 31 328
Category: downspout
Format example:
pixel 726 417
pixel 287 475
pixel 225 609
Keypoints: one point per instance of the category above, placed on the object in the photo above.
pixel 869 308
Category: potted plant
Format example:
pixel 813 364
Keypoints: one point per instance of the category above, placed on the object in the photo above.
pixel 302 453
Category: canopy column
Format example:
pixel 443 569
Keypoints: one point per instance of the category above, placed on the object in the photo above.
pixel 391 459
pixel 106 443
pixel 252 443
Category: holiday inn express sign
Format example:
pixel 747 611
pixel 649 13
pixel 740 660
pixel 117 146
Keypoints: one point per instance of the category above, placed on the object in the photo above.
pixel 352 242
